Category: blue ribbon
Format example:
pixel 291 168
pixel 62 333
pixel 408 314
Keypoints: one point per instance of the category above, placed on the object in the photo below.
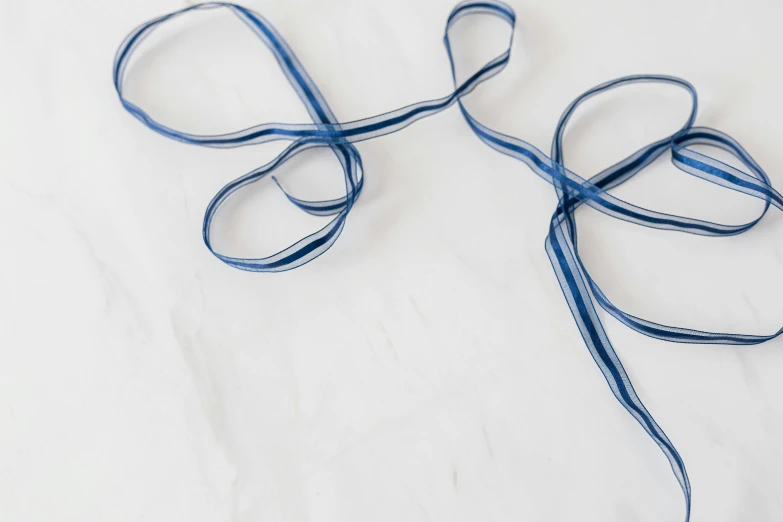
pixel 580 290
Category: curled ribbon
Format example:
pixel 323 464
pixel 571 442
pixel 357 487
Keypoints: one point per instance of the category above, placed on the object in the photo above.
pixel 580 290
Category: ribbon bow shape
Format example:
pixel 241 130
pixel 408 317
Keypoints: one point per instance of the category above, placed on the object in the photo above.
pixel 579 289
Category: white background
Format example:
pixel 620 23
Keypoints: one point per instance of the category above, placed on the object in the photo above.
pixel 426 368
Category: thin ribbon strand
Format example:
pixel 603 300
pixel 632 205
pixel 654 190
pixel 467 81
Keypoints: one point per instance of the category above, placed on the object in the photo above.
pixel 581 292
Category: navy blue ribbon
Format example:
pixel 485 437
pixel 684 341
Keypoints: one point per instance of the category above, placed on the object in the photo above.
pixel 580 290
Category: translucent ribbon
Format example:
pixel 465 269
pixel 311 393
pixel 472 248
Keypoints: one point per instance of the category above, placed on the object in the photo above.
pixel 580 290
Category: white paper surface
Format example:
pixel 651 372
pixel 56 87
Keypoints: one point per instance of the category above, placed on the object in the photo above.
pixel 427 367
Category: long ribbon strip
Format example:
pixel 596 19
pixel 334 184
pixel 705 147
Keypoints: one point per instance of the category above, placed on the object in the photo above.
pixel 579 289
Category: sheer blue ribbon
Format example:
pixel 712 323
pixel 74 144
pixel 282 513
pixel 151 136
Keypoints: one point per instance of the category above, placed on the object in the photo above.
pixel 580 290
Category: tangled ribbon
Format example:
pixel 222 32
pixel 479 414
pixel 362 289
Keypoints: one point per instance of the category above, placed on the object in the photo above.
pixel 580 290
